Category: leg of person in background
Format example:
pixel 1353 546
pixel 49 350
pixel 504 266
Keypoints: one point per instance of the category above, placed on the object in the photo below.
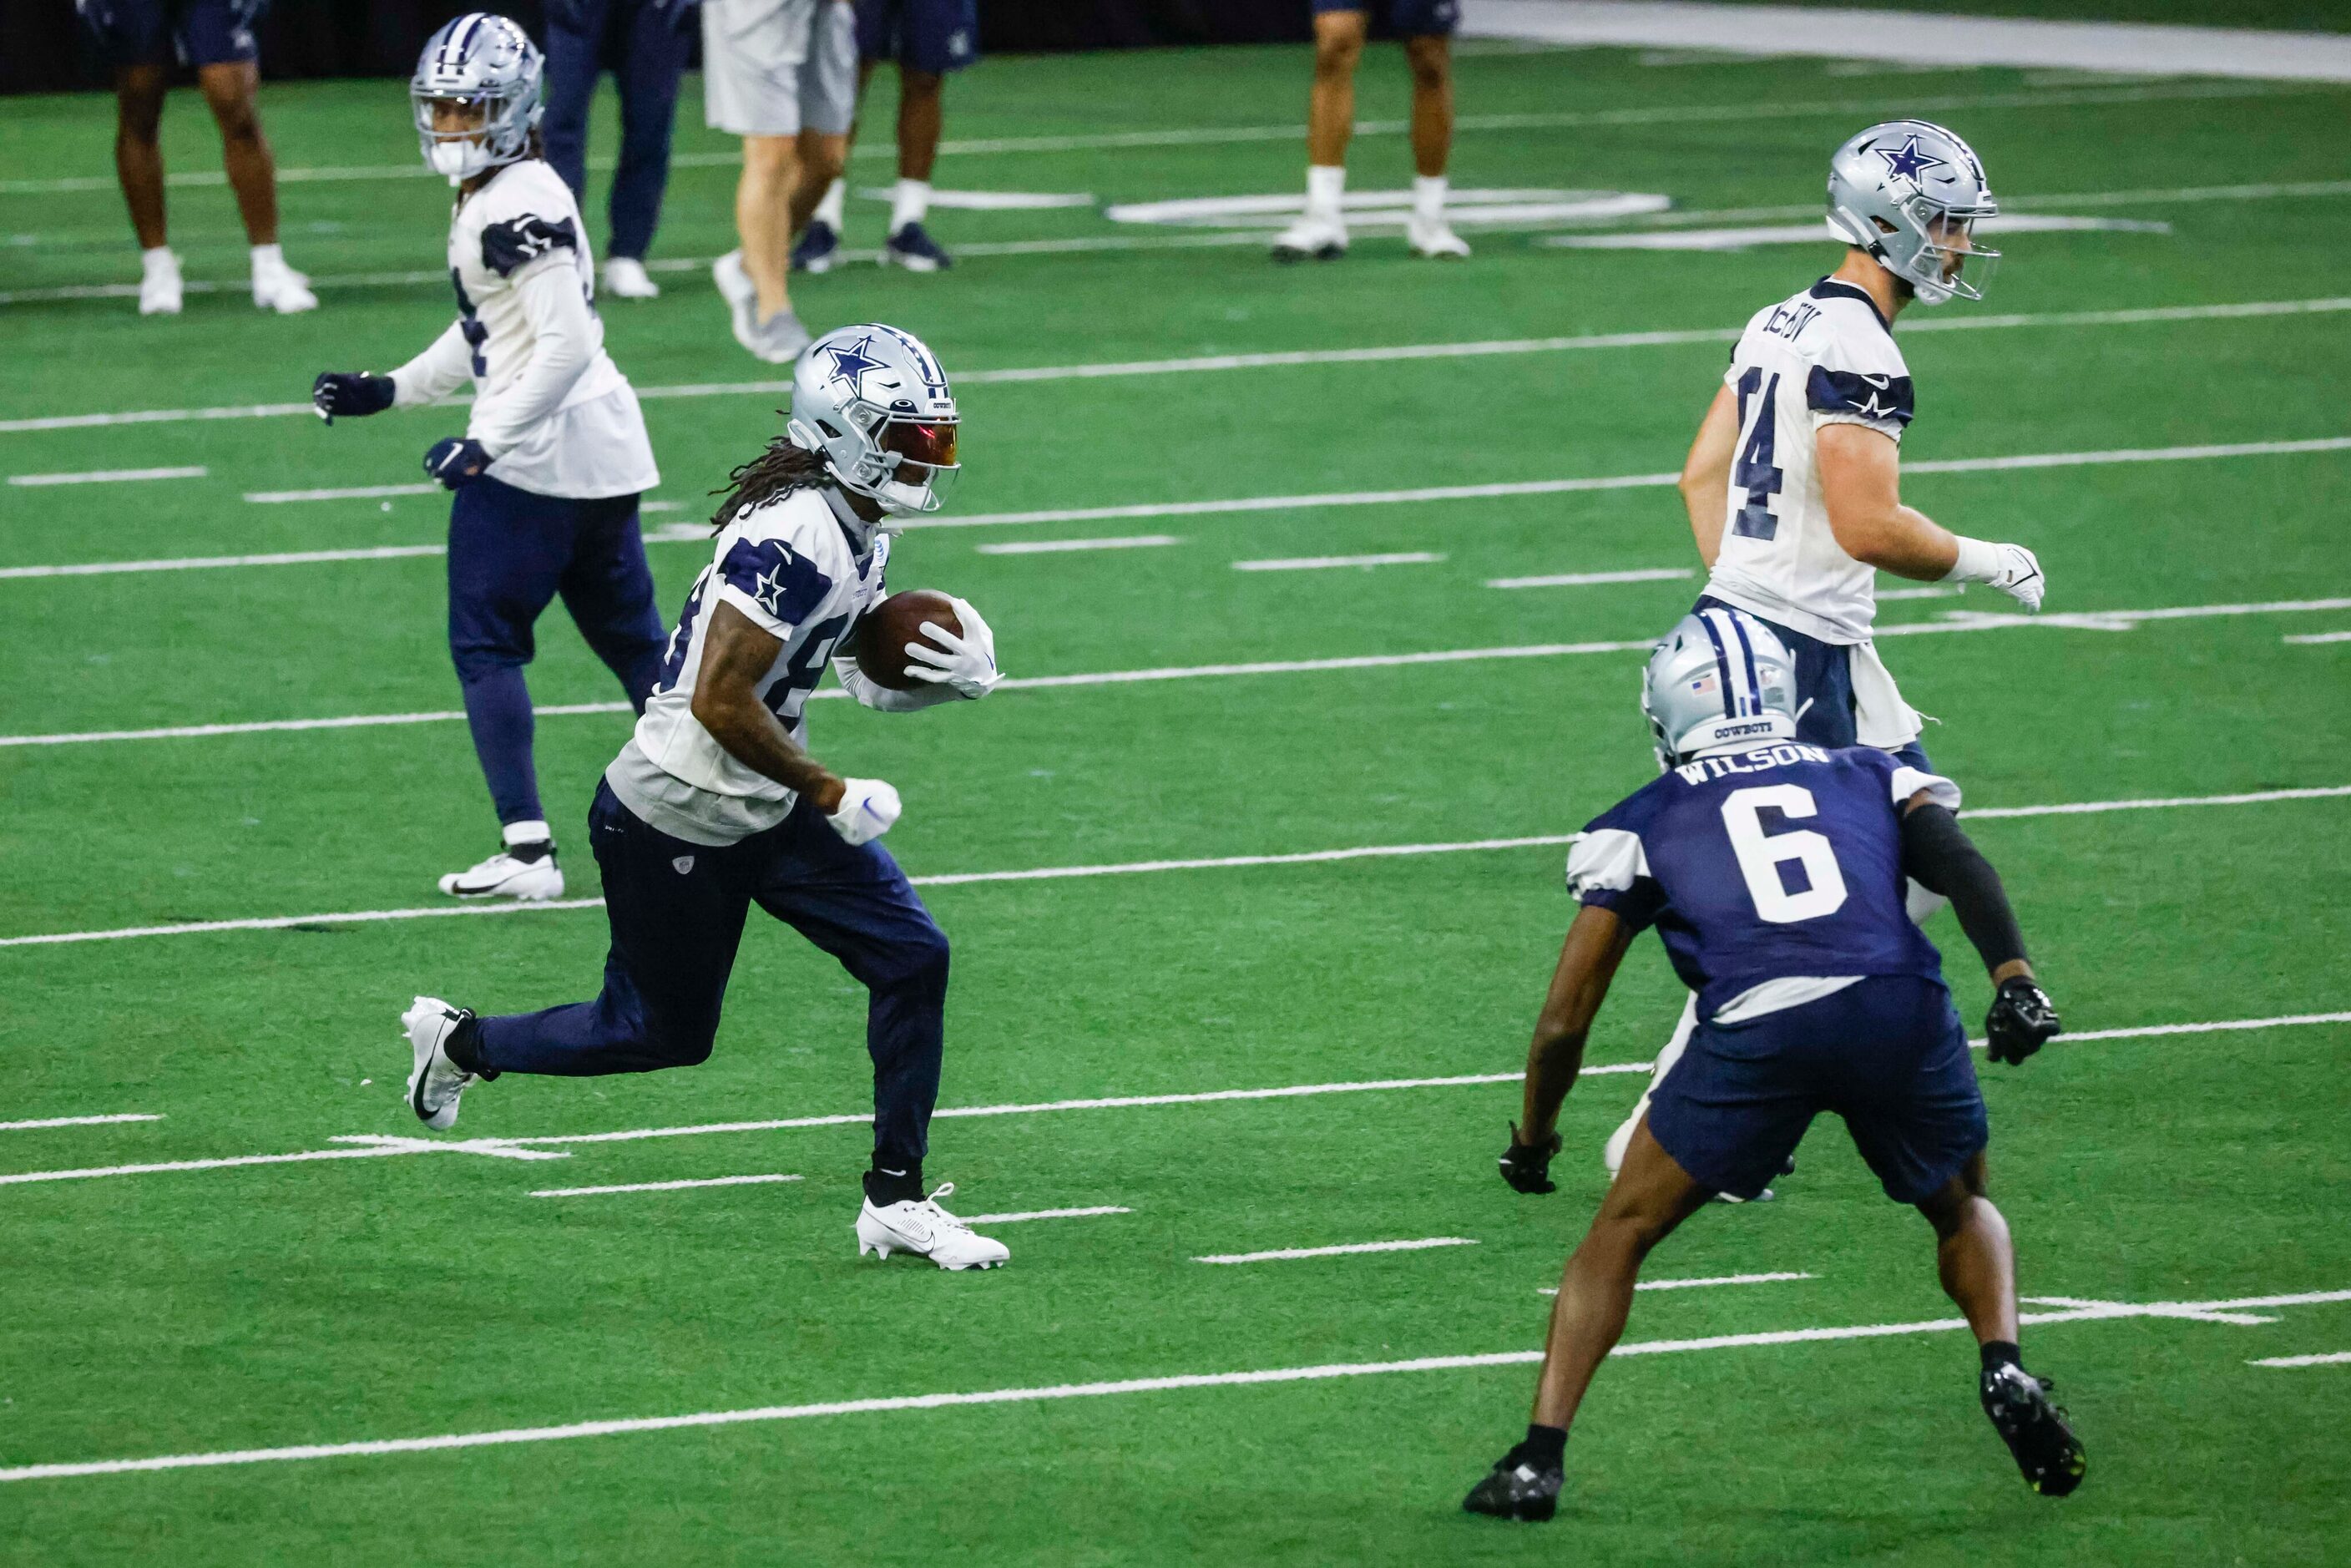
pixel 754 284
pixel 920 95
pixel 139 164
pixel 822 159
pixel 1431 58
pixel 232 88
pixel 575 39
pixel 818 249
pixel 1322 233
pixel 829 85
pixel 652 58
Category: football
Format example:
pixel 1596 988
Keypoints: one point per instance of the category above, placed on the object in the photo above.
pixel 884 631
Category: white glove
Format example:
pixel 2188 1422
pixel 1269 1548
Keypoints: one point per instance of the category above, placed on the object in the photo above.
pixel 966 663
pixel 2011 568
pixel 868 808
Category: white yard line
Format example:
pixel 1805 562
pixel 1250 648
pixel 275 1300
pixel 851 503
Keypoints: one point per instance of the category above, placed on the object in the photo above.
pixel 1128 868
pixel 1700 1284
pixel 1585 578
pixel 1043 1213
pixel 1326 562
pixel 1422 1245
pixel 40 1122
pixel 214 562
pixel 108 475
pixel 1062 546
pixel 2336 1358
pixel 661 1185
pixel 506 1437
pixel 349 493
pixel 2322 637
pixel 1388 354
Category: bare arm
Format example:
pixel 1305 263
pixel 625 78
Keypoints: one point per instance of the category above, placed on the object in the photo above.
pixel 1861 483
pixel 1596 943
pixel 1706 473
pixel 736 653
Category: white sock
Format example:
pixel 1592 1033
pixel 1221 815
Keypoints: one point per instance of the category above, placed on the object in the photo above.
pixel 525 833
pixel 1325 184
pixel 909 203
pixel 268 258
pixel 158 259
pixel 828 210
pixel 1429 198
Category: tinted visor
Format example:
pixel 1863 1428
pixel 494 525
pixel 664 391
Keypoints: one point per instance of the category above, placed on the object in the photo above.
pixel 931 443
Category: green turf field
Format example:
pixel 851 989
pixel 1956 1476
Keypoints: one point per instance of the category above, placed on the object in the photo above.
pixel 349 1300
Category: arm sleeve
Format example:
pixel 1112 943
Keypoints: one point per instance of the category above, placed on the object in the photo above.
pixel 446 364
pixel 1939 853
pixel 882 699
pixel 1608 867
pixel 564 339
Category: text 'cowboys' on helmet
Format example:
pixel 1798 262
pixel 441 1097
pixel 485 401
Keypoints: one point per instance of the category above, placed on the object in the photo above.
pixel 1719 678
pixel 873 400
pixel 476 96
pixel 1910 193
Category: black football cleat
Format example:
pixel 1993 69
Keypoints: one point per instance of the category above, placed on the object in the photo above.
pixel 1517 1488
pixel 2034 1430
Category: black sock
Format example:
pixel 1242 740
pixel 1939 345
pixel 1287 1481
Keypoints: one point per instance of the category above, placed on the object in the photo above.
pixel 464 1047
pixel 1545 1448
pixel 884 1188
pixel 1999 1352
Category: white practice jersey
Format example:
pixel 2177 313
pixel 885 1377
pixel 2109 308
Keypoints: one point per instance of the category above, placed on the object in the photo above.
pixel 1824 357
pixel 790 564
pixel 549 404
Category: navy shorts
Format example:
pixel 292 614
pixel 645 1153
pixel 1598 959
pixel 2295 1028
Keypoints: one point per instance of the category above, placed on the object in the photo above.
pixel 158 32
pixel 1405 18
pixel 933 36
pixel 1826 712
pixel 1887 1053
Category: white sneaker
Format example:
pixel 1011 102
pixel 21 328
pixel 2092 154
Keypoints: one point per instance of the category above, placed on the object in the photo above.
pixel 1320 236
pixel 625 278
pixel 926 1230
pixel 436 1082
pixel 1434 239
pixel 277 287
pixel 159 286
pixel 507 876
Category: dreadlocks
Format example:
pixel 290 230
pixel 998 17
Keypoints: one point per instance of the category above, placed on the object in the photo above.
pixel 782 469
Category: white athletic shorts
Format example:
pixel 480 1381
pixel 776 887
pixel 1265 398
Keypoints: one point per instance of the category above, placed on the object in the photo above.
pixel 775 67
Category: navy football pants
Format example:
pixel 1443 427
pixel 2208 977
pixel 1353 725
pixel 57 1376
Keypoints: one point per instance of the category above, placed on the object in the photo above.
pixel 510 552
pixel 676 910
pixel 645 44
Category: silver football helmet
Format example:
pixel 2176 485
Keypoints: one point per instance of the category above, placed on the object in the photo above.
pixel 873 400
pixel 489 65
pixel 1910 193
pixel 1718 679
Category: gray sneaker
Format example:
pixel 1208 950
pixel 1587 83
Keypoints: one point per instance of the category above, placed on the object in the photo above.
pixel 779 338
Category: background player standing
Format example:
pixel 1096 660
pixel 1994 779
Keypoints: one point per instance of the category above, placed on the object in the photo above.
pixel 716 802
pixel 928 38
pixel 554 456
pixel 143 38
pixel 1793 483
pixel 1774 872
pixel 1426 27
pixel 644 42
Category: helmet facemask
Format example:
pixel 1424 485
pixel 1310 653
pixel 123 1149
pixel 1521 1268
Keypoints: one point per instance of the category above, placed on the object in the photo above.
pixel 1938 254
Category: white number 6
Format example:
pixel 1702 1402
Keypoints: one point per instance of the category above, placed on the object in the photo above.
pixel 1760 854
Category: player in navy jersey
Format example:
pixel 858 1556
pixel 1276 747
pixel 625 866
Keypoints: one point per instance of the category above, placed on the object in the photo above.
pixel 1774 871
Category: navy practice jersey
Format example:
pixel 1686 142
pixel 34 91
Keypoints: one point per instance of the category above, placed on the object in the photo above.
pixel 1777 862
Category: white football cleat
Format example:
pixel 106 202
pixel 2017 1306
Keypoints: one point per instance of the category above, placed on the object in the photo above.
pixel 1316 235
pixel 277 287
pixel 506 874
pixel 625 278
pixel 926 1230
pixel 1436 240
pixel 159 284
pixel 436 1082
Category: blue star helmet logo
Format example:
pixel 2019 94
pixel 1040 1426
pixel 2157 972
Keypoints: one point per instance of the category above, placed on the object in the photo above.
pixel 1909 161
pixel 851 361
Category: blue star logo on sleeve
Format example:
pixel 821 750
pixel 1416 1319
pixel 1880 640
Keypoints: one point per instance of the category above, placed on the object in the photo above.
pixel 851 361
pixel 1909 161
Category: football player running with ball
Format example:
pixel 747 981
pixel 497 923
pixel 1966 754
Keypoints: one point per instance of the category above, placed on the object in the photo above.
pixel 1793 485
pixel 1774 871
pixel 554 456
pixel 715 803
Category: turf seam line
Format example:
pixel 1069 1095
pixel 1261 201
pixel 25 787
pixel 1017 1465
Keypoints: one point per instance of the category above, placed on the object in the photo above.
pixel 644 1424
pixel 1015 1217
pixel 1350 1249
pixel 1708 1282
pixel 37 1123
pixel 662 1186
pixel 109 475
pixel 2334 1358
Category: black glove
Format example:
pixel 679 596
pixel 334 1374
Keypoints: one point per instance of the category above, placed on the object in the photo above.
pixel 2021 1021
pixel 1526 1166
pixel 456 462
pixel 353 396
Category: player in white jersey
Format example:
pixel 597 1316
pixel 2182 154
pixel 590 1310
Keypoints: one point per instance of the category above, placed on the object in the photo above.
pixel 716 802
pixel 554 457
pixel 1793 483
